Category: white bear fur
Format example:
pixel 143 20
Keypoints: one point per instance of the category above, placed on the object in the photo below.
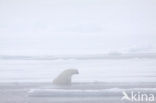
pixel 65 77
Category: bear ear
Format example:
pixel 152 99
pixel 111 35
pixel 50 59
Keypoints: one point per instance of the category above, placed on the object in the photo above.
pixel 65 77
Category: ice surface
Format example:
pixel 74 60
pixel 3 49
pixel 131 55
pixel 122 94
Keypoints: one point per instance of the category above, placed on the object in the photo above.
pixel 85 93
pixel 105 70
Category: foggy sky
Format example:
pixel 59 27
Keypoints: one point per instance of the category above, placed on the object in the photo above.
pixel 67 26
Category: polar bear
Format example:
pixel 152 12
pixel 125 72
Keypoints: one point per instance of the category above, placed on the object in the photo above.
pixel 65 77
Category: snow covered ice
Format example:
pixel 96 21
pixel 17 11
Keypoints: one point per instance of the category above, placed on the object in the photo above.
pixel 99 80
